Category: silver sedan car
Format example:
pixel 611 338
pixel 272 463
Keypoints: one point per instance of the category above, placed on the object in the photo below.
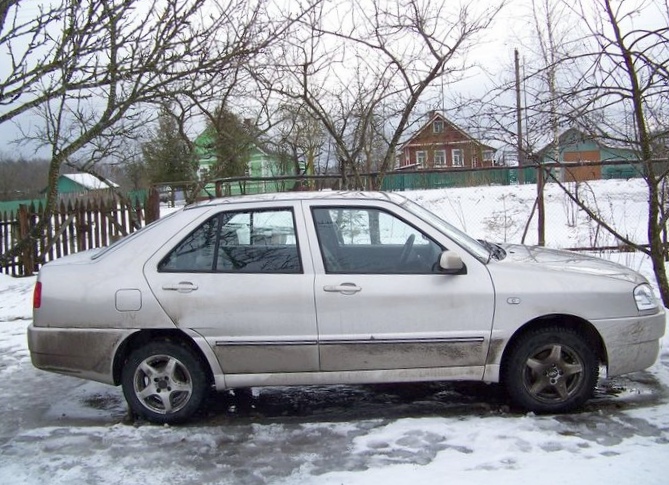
pixel 331 288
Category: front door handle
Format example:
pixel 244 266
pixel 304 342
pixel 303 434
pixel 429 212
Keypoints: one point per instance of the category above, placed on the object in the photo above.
pixel 181 287
pixel 344 288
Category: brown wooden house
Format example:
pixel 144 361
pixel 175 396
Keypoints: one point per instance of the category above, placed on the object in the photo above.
pixel 439 143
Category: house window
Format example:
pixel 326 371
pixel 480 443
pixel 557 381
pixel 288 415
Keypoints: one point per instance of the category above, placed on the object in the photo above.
pixel 488 155
pixel 457 157
pixel 438 126
pixel 439 158
pixel 421 156
pixel 406 160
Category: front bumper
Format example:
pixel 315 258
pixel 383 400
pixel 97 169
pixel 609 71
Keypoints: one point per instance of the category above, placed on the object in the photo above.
pixel 86 353
pixel 632 344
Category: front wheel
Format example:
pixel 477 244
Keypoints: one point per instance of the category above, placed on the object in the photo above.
pixel 164 382
pixel 551 370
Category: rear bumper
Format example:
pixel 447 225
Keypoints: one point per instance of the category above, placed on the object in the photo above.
pixel 86 353
pixel 632 344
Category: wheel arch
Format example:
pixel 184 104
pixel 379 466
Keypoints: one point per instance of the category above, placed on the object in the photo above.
pixel 143 337
pixel 572 322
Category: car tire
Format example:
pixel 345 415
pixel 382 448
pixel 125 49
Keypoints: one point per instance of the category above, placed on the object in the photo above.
pixel 551 370
pixel 164 382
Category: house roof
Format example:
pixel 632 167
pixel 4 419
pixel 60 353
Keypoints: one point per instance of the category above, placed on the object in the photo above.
pixel 434 116
pixel 89 181
pixel 574 136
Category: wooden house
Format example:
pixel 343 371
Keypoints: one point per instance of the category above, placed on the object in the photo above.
pixel 260 163
pixel 441 144
pixel 575 147
pixel 77 184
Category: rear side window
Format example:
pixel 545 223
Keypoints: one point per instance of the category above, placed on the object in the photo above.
pixel 262 241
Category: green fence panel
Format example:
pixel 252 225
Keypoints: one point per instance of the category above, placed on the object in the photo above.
pixel 436 180
pixel 13 205
pixel 621 172
pixel 137 197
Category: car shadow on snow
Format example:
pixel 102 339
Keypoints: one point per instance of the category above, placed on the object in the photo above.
pixel 352 402
pixel 342 403
pixel 339 403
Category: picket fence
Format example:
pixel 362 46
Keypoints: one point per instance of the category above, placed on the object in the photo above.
pixel 76 225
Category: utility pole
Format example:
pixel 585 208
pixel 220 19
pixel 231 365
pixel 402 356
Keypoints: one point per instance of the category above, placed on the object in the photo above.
pixel 519 122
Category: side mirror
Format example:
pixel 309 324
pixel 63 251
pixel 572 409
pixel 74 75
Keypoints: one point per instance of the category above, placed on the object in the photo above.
pixel 451 263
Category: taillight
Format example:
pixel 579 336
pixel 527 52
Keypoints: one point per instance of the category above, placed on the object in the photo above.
pixel 37 295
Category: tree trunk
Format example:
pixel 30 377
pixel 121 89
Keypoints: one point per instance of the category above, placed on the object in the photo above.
pixel 655 229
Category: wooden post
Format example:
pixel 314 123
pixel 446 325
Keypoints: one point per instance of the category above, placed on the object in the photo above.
pixel 80 225
pixel 541 223
pixel 27 258
pixel 152 207
pixel 71 228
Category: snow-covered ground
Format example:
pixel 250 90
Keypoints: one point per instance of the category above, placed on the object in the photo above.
pixel 60 430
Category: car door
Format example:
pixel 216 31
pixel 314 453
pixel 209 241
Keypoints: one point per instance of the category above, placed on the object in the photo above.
pixel 382 302
pixel 244 280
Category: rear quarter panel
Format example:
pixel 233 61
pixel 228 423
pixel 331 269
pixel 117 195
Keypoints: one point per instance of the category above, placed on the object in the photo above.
pixel 81 292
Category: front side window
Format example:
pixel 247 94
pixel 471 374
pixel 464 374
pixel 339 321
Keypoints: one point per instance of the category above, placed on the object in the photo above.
pixel 438 126
pixel 372 241
pixel 239 242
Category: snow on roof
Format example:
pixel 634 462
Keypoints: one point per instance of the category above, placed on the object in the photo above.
pixel 89 181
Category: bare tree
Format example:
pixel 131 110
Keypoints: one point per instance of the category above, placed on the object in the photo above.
pixel 550 47
pixel 230 85
pixel 89 69
pixel 300 135
pixel 356 62
pixel 21 179
pixel 546 15
pixel 601 69
pixel 167 157
pixel 616 91
pixel 621 96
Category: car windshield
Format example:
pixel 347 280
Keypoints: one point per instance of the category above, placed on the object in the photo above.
pixel 465 241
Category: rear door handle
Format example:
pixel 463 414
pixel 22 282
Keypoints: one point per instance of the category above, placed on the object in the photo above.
pixel 181 287
pixel 344 288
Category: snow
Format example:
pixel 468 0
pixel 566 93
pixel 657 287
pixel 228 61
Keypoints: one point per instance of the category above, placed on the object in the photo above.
pixel 61 430
pixel 89 181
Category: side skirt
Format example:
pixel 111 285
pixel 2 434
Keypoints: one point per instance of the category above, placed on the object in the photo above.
pixel 473 373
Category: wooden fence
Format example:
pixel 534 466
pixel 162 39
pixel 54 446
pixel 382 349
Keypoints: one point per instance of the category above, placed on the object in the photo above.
pixel 75 226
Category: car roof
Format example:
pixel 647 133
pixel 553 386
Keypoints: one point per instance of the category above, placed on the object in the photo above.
pixel 302 195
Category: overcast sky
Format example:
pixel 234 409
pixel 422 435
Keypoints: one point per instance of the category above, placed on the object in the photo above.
pixel 494 55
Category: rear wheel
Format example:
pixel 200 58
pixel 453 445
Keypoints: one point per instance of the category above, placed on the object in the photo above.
pixel 551 370
pixel 164 382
